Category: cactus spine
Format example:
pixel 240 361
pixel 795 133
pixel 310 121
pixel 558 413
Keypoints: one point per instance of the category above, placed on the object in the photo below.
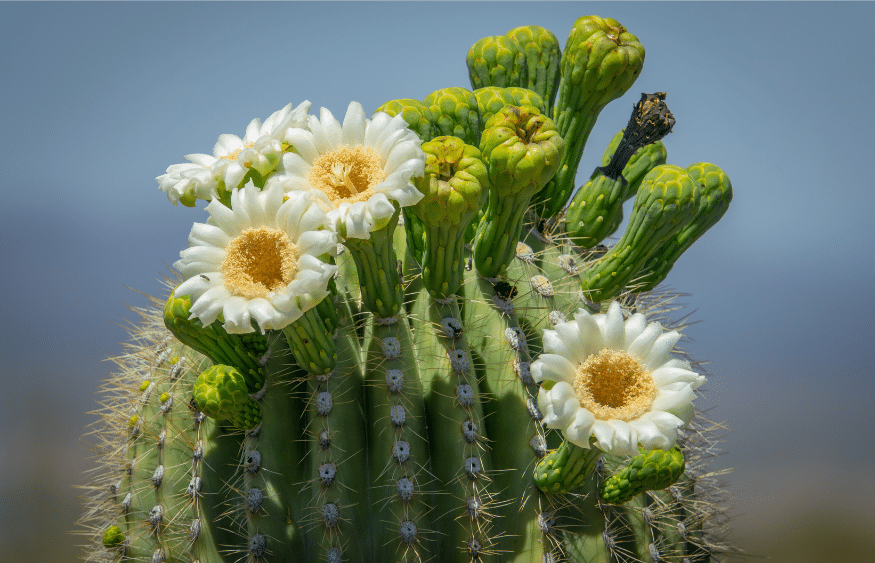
pixel 399 400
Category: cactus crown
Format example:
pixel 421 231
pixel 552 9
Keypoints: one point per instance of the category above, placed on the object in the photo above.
pixel 343 390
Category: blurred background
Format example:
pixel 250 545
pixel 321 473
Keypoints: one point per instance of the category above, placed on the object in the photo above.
pixel 98 99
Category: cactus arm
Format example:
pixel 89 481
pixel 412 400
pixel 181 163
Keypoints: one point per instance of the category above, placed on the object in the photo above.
pixel 336 436
pixel 456 429
pixel 283 462
pixel 398 444
pixel 498 341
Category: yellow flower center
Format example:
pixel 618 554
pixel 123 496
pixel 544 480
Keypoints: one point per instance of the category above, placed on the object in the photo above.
pixel 347 173
pixel 614 385
pixel 235 154
pixel 259 261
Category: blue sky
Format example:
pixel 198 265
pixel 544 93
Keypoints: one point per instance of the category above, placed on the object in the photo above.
pixel 100 98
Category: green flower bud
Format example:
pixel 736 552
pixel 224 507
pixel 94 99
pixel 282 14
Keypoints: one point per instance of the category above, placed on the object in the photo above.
pixel 666 201
pixel 491 99
pixel 417 116
pixel 600 63
pixel 455 186
pixel 113 537
pixel 220 392
pixel 715 195
pixel 522 151
pixel 653 470
pixel 543 58
pixel 454 111
pixel 497 61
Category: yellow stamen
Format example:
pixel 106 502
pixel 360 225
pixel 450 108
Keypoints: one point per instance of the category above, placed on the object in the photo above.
pixel 235 154
pixel 347 173
pixel 259 261
pixel 614 385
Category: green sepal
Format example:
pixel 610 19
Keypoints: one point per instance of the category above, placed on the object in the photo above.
pixel 666 201
pixel 220 392
pixel 454 111
pixel 715 196
pixel 113 537
pixel 311 339
pixel 497 60
pixel 543 59
pixel 239 350
pixel 418 117
pixel 566 468
pixel 653 470
pixel 377 267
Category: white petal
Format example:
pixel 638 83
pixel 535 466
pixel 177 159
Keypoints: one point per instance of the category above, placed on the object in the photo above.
pixel 553 367
pixel 224 218
pixel 209 305
pixel 197 285
pixel 304 144
pixel 559 411
pixel 604 434
pixel 554 344
pixel 649 435
pixel 205 255
pixel 669 400
pixel 590 334
pixel 227 144
pixel 661 351
pixel 579 431
pixel 665 376
pixel 625 441
pixel 376 129
pixel 634 326
pixel 203 234
pixel 237 320
pixel 613 329
pixel 332 132
pixel 354 125
pixel 641 346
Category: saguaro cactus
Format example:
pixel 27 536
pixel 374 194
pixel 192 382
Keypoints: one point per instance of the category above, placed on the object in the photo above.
pixel 321 385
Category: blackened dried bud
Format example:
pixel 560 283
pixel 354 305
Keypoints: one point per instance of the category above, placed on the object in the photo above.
pixel 651 121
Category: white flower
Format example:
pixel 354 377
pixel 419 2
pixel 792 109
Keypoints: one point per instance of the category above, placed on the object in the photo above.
pixel 260 260
pixel 260 150
pixel 360 169
pixel 614 381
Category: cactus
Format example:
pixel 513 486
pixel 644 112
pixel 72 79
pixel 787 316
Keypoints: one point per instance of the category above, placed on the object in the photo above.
pixel 321 385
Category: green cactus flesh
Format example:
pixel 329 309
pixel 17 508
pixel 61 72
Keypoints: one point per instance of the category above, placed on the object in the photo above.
pixel 422 442
pixel 398 420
